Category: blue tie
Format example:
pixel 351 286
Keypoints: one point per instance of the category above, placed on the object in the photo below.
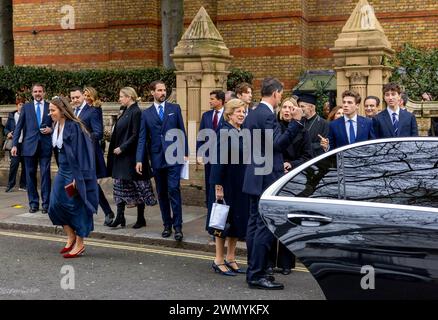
pixel 77 111
pixel 352 135
pixel 395 123
pixel 161 112
pixel 38 113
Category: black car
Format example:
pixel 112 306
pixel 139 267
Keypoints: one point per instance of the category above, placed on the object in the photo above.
pixel 363 218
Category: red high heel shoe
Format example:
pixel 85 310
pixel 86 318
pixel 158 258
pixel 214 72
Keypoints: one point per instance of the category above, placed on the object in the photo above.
pixel 74 255
pixel 67 249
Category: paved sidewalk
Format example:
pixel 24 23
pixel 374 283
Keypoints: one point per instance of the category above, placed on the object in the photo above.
pixel 14 215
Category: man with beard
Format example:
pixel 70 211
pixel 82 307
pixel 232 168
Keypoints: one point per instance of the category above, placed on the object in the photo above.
pixel 36 125
pixel 156 121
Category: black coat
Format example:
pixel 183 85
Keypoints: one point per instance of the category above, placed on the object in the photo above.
pixel 300 150
pixel 230 177
pixel 125 136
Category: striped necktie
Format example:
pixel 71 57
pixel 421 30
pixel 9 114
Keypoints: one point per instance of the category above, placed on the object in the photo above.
pixel 395 123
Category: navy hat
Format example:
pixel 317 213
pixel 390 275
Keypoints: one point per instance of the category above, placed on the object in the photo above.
pixel 307 97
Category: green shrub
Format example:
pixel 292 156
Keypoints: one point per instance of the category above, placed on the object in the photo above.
pixel 19 79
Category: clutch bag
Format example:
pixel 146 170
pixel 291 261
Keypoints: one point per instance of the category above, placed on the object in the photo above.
pixel 71 190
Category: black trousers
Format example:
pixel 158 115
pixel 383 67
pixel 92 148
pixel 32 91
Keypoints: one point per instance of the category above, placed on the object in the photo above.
pixel 13 169
pixel 258 242
pixel 280 256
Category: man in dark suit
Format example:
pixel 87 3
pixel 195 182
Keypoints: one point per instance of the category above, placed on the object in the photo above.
pixel 36 125
pixel 156 122
pixel 244 93
pixel 15 161
pixel 212 120
pixel 351 127
pixel 316 126
pixel 257 177
pixel 394 121
pixel 94 123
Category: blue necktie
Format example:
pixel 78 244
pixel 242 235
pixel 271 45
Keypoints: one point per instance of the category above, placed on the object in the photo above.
pixel 352 135
pixel 77 111
pixel 395 123
pixel 38 113
pixel 161 112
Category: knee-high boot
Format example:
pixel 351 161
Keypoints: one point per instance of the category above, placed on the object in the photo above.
pixel 141 221
pixel 120 218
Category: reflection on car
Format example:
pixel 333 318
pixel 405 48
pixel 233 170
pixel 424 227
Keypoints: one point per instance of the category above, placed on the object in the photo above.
pixel 363 218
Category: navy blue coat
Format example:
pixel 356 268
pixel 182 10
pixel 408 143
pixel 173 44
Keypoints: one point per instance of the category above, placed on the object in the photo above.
pixel 92 118
pixel 31 132
pixel 263 118
pixel 80 154
pixel 207 123
pixel 230 177
pixel 407 125
pixel 338 133
pixel 153 133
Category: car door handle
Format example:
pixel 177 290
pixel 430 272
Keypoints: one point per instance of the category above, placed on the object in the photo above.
pixel 308 220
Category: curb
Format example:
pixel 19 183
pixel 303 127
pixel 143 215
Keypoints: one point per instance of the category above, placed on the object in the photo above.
pixel 148 239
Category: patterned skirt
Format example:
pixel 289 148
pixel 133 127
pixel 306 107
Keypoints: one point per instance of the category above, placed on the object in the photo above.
pixel 134 193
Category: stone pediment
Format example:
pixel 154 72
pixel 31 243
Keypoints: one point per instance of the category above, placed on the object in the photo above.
pixel 202 27
pixel 201 38
pixel 362 29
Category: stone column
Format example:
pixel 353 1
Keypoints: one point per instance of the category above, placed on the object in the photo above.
pixel 359 54
pixel 202 61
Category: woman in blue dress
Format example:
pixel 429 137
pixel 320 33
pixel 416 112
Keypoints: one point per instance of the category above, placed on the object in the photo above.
pixel 226 177
pixel 72 208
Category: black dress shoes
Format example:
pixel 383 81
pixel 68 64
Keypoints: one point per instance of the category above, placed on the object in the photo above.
pixel 265 284
pixel 44 211
pixel 178 235
pixel 33 210
pixel 9 189
pixel 285 271
pixel 108 219
pixel 166 232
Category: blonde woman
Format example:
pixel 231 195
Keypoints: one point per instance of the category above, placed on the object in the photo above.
pixel 92 117
pixel 130 188
pixel 227 179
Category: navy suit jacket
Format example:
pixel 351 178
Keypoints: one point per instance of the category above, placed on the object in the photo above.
pixel 207 123
pixel 80 156
pixel 92 118
pixel 153 134
pixel 264 119
pixel 407 125
pixel 338 132
pixel 31 131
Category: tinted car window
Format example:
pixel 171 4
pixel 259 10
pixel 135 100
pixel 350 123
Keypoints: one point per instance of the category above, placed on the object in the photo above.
pixel 397 173
pixel 320 180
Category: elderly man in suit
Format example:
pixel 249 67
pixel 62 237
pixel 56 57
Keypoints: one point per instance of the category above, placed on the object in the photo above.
pixel 36 125
pixel 156 122
pixel 263 120
pixel 211 119
pixel 394 121
pixel 351 127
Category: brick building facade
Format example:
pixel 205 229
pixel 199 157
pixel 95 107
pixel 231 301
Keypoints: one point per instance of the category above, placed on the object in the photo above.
pixel 272 37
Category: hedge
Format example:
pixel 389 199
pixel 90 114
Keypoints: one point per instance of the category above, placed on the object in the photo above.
pixel 19 79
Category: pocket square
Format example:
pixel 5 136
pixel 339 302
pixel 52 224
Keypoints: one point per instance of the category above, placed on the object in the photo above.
pixel 171 114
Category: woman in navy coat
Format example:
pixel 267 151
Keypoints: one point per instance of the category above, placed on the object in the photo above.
pixel 73 211
pixel 227 180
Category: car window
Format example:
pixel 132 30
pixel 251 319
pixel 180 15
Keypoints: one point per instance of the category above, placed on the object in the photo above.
pixel 397 173
pixel 320 180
